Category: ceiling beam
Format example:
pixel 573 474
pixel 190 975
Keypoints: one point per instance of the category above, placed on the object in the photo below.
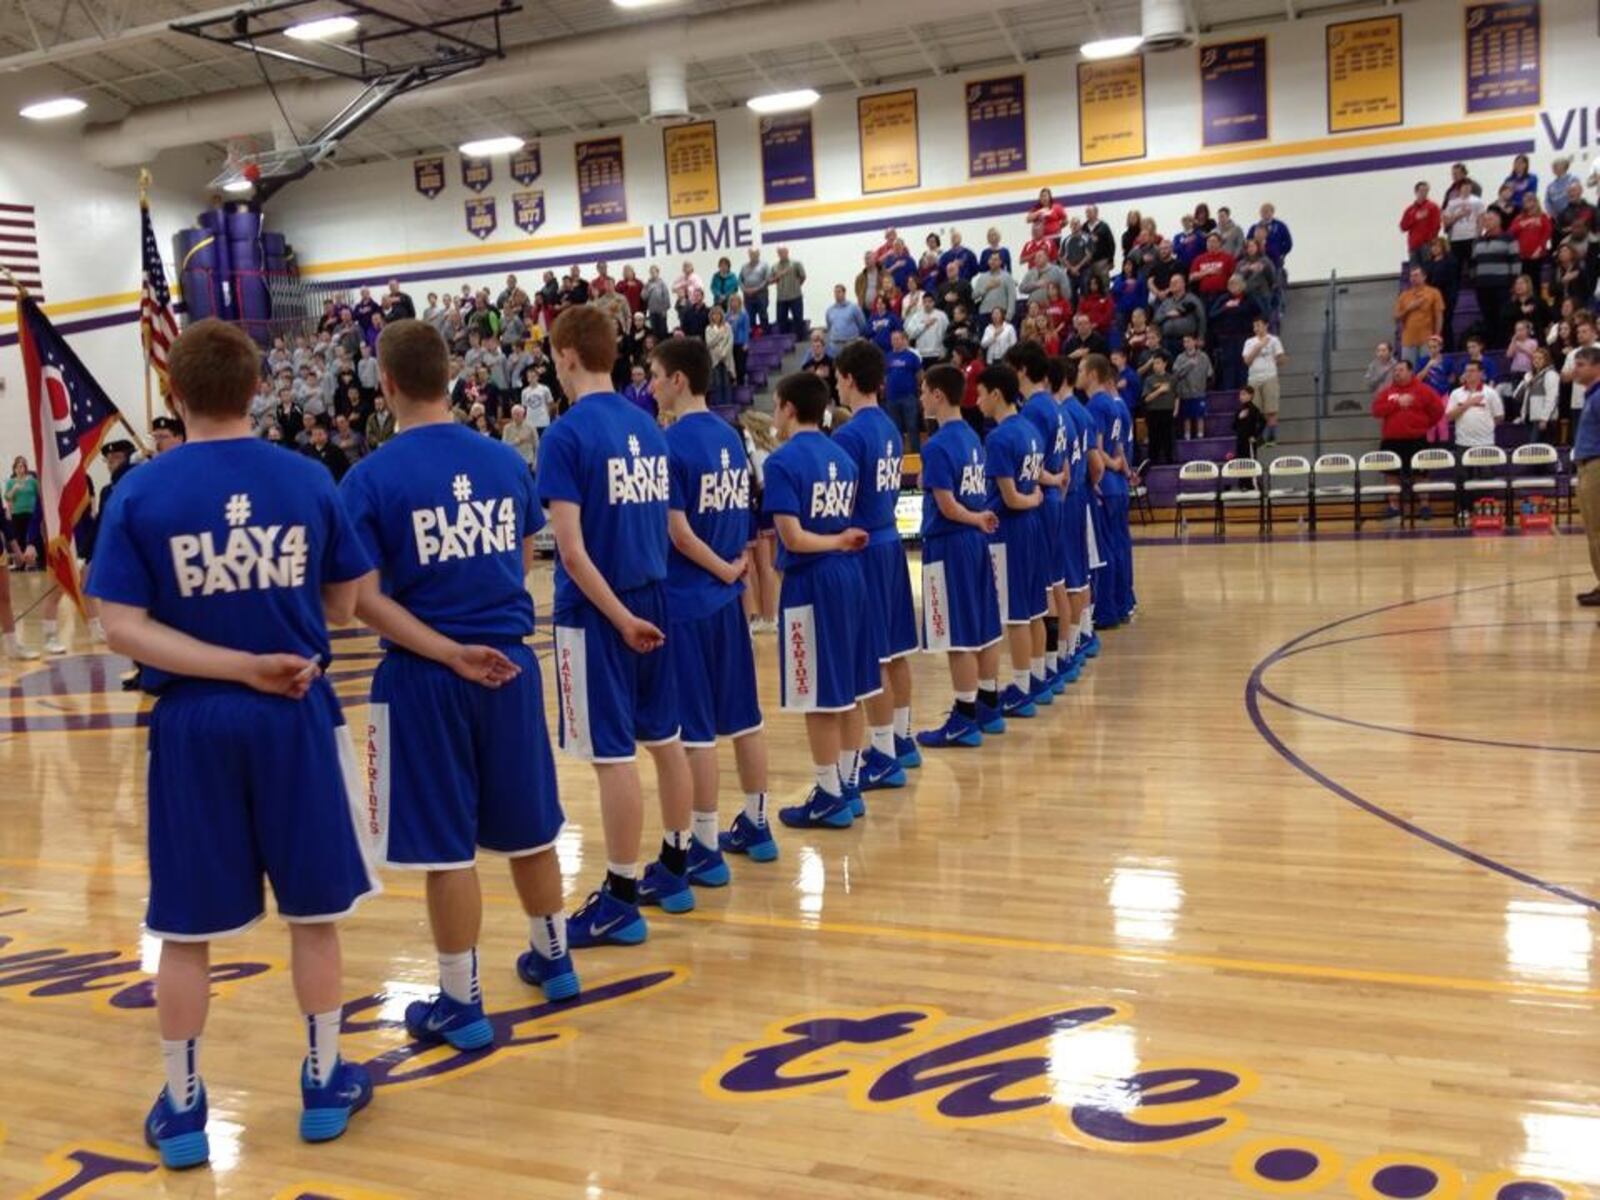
pixel 934 64
pixel 1005 32
pixel 844 66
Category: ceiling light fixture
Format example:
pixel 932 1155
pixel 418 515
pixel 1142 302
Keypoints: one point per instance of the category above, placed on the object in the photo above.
pixel 776 102
pixel 1110 47
pixel 486 146
pixel 50 110
pixel 323 29
pixel 238 185
pixel 632 4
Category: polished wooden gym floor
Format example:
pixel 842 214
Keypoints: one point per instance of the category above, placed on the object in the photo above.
pixel 1294 894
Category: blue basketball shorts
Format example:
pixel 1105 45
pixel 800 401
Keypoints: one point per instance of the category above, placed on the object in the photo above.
pixel 714 667
pixel 1075 541
pixel 893 611
pixel 1016 553
pixel 613 699
pixel 827 656
pixel 453 766
pixel 245 785
pixel 1052 534
pixel 960 610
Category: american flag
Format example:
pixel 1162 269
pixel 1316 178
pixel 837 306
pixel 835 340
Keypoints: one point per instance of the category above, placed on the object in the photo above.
pixel 158 327
pixel 19 250
pixel 70 414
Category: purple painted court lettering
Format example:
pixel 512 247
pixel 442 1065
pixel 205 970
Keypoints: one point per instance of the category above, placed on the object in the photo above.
pixel 762 1069
pixel 1113 1120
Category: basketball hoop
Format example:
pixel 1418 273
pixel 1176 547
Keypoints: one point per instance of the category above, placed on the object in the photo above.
pixel 247 164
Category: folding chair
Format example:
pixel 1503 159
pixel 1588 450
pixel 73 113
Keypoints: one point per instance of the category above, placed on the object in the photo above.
pixel 1374 462
pixel 1288 484
pixel 1433 473
pixel 1544 462
pixel 1201 480
pixel 1483 472
pixel 1141 503
pixel 1240 470
pixel 1333 481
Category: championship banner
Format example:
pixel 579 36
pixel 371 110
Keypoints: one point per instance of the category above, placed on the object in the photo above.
pixel 1233 93
pixel 477 173
pixel 788 163
pixel 890 157
pixel 997 126
pixel 694 187
pixel 1364 75
pixel 602 193
pixel 527 164
pixel 429 175
pixel 1111 110
pixel 527 210
pixel 1503 56
pixel 481 217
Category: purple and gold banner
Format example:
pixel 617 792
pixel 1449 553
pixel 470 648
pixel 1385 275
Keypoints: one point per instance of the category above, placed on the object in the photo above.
pixel 997 126
pixel 788 164
pixel 1233 92
pixel 602 191
pixel 1111 110
pixel 527 210
pixel 891 157
pixel 477 173
pixel 1365 76
pixel 527 164
pixel 429 175
pixel 694 185
pixel 1503 59
pixel 481 220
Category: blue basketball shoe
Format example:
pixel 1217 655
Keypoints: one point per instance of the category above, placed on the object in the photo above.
pixel 707 868
pixel 327 1109
pixel 606 921
pixel 857 802
pixel 746 837
pixel 822 810
pixel 1014 702
pixel 557 978
pixel 179 1137
pixel 1043 693
pixel 905 750
pixel 1091 648
pixel 1071 671
pixel 956 731
pixel 446 1019
pixel 879 770
pixel 989 719
pixel 661 886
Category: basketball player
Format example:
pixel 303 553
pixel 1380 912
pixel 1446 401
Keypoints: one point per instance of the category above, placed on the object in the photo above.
pixel 215 566
pixel 1013 458
pixel 960 612
pixel 1074 519
pixel 459 756
pixel 14 646
pixel 873 443
pixel 603 476
pixel 708 638
pixel 1113 439
pixel 827 653
pixel 1032 366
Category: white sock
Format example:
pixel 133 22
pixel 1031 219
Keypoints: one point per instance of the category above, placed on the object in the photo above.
pixel 1052 660
pixel 883 739
pixel 850 768
pixel 1086 626
pixel 625 870
pixel 548 936
pixel 988 685
pixel 1022 680
pixel 705 829
pixel 1072 643
pixel 458 976
pixel 828 779
pixel 182 1062
pixel 755 808
pixel 967 697
pixel 322 1034
pixel 678 839
pixel 902 722
pixel 1038 667
pixel 49 630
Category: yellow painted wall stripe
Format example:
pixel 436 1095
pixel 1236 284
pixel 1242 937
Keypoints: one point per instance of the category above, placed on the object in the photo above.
pixel 481 250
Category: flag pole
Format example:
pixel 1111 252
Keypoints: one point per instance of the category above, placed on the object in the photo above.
pixel 149 404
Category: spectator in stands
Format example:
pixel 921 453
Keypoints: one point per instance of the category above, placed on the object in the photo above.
pixel 1443 273
pixel 289 417
pixel 901 381
pixel 866 280
pixel 1264 357
pixel 1048 213
pixel 1570 278
pixel 1248 426
pixel 1494 266
pixel 1521 181
pixel 1132 227
pixel 1524 304
pixel 1273 236
pixel 1533 230
pixel 965 260
pixel 1463 214
pixel 719 344
pixel 1233 235
pixel 1474 409
pixel 1130 384
pixel 1041 275
pixel 1263 282
pixel 1057 310
pixel 348 441
pixel 928 264
pixel 899 266
pixel 991 246
pixel 657 297
pixel 1420 311
pixel 788 281
pixel 724 283
pixel 685 284
pixel 1179 315
pixel 1161 271
pixel 365 309
pixel 1158 398
pixel 1537 396
pixel 881 323
pixel 818 361
pixel 1077 259
pixel 1380 371
pixel 1505 206
pixel 1188 243
pixel 844 322
pixel 1191 378
pixel 1519 353
pixel 1096 305
pixel 1408 409
pixel 739 322
pixel 694 315
pixel 518 433
pixel 962 328
pixel 954 291
pixel 1230 322
pixel 1558 191
pixel 631 290
pixel 1211 270
pixel 1040 242
pixel 1128 292
pixel 1084 339
pixel 1102 243
pixel 398 306
pixel 994 290
pixel 755 278
pixel 1420 222
pixel 1575 214
pixel 998 336
pixel 926 328
pixel 324 451
pixel 538 402
pixel 1433 368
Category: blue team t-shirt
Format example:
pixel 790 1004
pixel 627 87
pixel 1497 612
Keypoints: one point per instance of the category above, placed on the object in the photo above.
pixel 610 459
pixel 710 474
pixel 952 461
pixel 1012 451
pixel 812 478
pixel 229 542
pixel 1076 419
pixel 1110 434
pixel 873 443
pixel 1045 415
pixel 443 511
pixel 900 373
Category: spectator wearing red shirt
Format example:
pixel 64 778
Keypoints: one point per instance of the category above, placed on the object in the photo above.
pixel 969 359
pixel 631 290
pixel 1408 409
pixel 1097 306
pixel 1040 240
pixel 1420 222
pixel 1533 229
pixel 1210 272
pixel 1057 308
pixel 1051 215
pixel 886 250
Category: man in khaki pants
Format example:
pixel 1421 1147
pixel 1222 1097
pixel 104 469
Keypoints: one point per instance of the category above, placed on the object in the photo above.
pixel 1586 459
